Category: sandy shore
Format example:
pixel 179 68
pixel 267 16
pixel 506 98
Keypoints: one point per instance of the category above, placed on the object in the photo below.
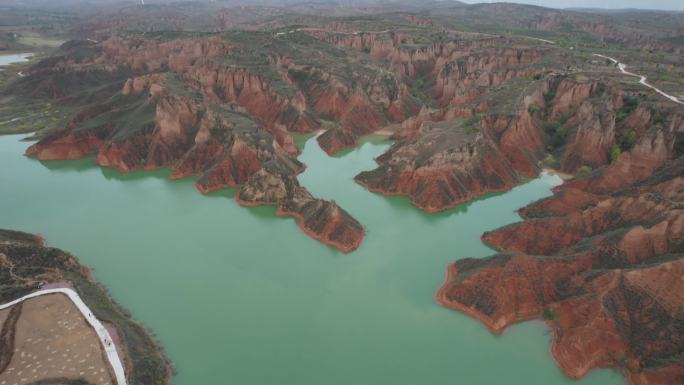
pixel 562 175
pixel 385 131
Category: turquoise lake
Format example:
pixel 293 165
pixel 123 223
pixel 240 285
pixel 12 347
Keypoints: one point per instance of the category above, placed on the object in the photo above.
pixel 240 296
pixel 16 58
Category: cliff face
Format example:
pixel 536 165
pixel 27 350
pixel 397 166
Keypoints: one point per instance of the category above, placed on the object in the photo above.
pixel 460 68
pixel 222 109
pixel 275 111
pixel 451 162
pixel 222 148
pixel 462 80
pixel 602 269
pixel 581 122
pixel 356 110
pixel 323 220
pixel 590 111
pixel 601 261
pixel 459 71
pixel 406 61
pixel 441 165
pixel 151 55
pixel 179 107
pixel 218 110
pixel 655 146
pixel 598 118
pixel 163 115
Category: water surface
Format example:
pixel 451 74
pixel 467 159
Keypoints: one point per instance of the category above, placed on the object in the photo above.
pixel 14 58
pixel 240 296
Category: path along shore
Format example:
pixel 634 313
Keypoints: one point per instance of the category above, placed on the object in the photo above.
pixel 102 333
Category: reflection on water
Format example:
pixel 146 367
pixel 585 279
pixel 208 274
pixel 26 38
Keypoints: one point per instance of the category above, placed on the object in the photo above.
pixel 370 139
pixel 68 165
pixel 300 140
pixel 228 193
pixel 111 173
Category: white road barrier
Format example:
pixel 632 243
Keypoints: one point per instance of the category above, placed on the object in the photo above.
pixel 102 333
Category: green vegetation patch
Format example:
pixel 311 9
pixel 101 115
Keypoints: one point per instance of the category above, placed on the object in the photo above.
pixel 259 64
pixel 629 104
pixel 174 83
pixel 508 98
pixel 472 124
pixel 584 172
pixel 421 90
pixel 556 132
pixel 549 314
pixel 614 153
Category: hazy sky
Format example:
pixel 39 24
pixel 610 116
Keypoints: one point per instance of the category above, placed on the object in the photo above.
pixel 645 4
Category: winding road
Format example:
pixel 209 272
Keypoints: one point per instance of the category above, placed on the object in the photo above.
pixel 102 333
pixel 642 79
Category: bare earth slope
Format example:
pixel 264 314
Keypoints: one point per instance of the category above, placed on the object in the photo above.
pixel 606 278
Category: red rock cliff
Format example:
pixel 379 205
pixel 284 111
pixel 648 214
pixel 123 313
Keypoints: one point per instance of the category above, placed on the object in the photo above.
pixel 604 274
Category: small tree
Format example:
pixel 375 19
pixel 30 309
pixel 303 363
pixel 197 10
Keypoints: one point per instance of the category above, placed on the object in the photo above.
pixel 584 172
pixel 534 110
pixel 549 314
pixel 615 153
pixel 559 136
pixel 551 126
pixel 627 140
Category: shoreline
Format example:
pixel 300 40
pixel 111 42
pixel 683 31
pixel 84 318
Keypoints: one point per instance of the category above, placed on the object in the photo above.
pixel 498 328
pixel 440 297
pixel 300 222
pixel 431 210
pixel 564 176
pixel 299 219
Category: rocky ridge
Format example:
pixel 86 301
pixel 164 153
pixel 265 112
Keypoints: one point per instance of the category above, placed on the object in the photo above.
pixel 604 274
pixel 183 111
